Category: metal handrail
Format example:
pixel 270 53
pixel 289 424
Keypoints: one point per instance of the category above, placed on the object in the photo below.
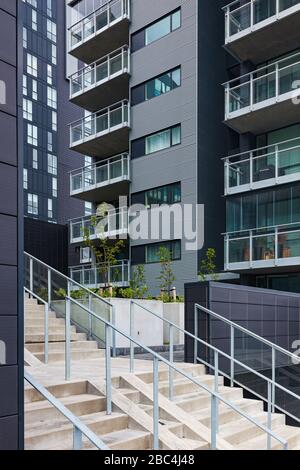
pixel 102 7
pixel 107 110
pixel 80 429
pixel 269 227
pixel 234 361
pixel 215 396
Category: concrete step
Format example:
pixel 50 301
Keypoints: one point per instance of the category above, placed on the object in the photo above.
pixel 61 390
pixel 163 375
pixel 60 347
pixel 288 433
pixel 76 355
pixel 192 402
pixel 52 329
pixel 53 338
pixel 242 429
pixel 182 385
pixel 38 315
pixel 40 323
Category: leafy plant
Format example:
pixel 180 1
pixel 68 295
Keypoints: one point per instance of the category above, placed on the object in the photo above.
pixel 138 287
pixel 105 252
pixel 208 266
pixel 166 277
pixel 43 293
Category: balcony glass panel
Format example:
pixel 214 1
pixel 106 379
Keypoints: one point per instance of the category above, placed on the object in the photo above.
pixel 285 4
pixel 289 245
pixel 264 167
pixel 264 88
pixel 239 250
pixel 264 248
pixel 239 173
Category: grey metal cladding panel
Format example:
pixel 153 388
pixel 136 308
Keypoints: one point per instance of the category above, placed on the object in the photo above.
pixel 9 5
pixel 8 240
pixel 8 281
pixel 9 393
pixel 8 75
pixel 8 139
pixel 8 189
pixel 142 15
pixel 8 38
pixel 9 334
pixel 9 433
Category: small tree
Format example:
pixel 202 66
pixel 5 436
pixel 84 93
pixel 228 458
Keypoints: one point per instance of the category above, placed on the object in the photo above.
pixel 105 252
pixel 167 277
pixel 208 266
pixel 138 287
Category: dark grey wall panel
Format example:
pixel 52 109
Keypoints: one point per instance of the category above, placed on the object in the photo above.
pixel 8 281
pixel 8 240
pixel 9 393
pixel 7 38
pixel 8 185
pixel 9 433
pixel 9 6
pixel 8 75
pixel 8 139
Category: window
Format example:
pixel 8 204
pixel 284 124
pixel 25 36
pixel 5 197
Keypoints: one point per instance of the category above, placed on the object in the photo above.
pixel 54 121
pixel 49 74
pixel 34 90
pixel 35 159
pixel 49 8
pixel 27 109
pixel 148 254
pixel 88 208
pixel 50 209
pixel 155 142
pixel 170 194
pixel 52 164
pixel 85 255
pixel 25 178
pixel 53 54
pixel 34 20
pixel 32 65
pixel 54 187
pixel 51 30
pixel 25 86
pixel 50 142
pixel 33 204
pixel 24 37
pixel 157 86
pixel 52 97
pixel 157 30
pixel 32 135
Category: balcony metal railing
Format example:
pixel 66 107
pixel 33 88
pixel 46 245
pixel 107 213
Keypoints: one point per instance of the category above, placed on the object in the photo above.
pixel 94 75
pixel 263 87
pixel 101 19
pixel 101 123
pixel 268 247
pixel 101 174
pixel 263 167
pixel 243 17
pixel 114 224
pixel 93 277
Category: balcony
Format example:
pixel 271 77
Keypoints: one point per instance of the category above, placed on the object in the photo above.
pixel 102 181
pixel 257 30
pixel 263 248
pixel 114 225
pixel 103 82
pixel 93 277
pixel 104 133
pixel 101 32
pixel 264 99
pixel 263 167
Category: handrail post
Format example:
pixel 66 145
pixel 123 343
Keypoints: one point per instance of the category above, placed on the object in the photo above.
pixel 131 336
pixel 114 338
pixel 214 415
pixel 171 359
pixel 49 287
pixel 269 425
pixel 77 439
pixel 46 326
pixel 216 363
pixel 90 318
pixel 195 333
pixel 68 336
pixel 232 356
pixel 108 369
pixel 155 405
pixel 31 274
pixel 273 378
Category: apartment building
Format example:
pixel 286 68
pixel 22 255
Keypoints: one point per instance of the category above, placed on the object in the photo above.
pixel 153 125
pixel 262 170
pixel 46 112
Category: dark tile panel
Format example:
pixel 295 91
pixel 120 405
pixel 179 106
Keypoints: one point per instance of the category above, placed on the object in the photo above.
pixel 9 433
pixel 8 240
pixel 8 186
pixel 9 77
pixel 8 390
pixel 9 5
pixel 8 139
pixel 8 282
pixel 9 334
pixel 8 51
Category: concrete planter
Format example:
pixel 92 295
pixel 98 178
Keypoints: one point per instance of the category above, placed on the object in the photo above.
pixel 174 312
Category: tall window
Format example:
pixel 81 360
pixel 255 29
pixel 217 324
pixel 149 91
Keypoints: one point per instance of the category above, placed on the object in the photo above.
pixel 157 86
pixel 33 204
pixel 52 164
pixel 163 140
pixel 32 135
pixel 153 251
pixel 32 65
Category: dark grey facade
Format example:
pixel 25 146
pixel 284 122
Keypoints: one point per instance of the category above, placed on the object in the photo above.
pixel 11 242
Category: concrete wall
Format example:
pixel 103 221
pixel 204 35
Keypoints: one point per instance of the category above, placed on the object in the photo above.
pixel 11 238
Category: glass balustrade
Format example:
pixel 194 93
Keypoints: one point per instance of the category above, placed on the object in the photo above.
pixel 257 248
pixel 278 163
pixel 111 224
pixel 100 19
pixel 100 71
pixel 97 276
pixel 242 15
pixel 103 173
pixel 102 122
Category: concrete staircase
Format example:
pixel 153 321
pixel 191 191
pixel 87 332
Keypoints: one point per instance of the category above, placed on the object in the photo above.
pixel 46 429
pixel 35 336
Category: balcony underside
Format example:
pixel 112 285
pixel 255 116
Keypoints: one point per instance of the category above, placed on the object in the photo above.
pixel 101 96
pixel 266 116
pixel 103 146
pixel 103 42
pixel 270 38
pixel 266 267
pixel 107 192
pixel 111 236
